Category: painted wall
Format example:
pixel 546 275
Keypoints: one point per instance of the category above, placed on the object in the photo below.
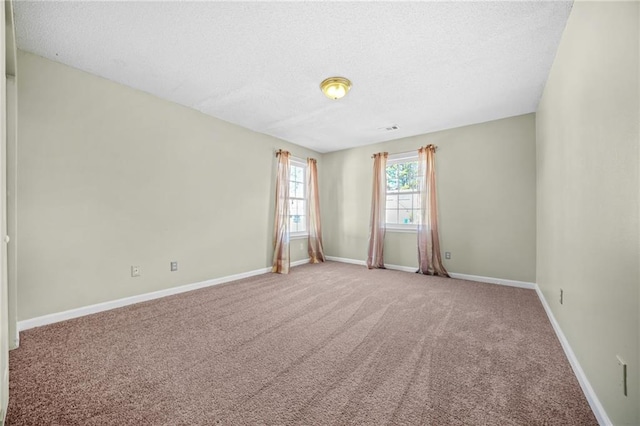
pixel 588 193
pixel 486 190
pixel 110 177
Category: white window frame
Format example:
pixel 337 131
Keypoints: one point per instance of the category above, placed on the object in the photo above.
pixel 403 157
pixel 298 162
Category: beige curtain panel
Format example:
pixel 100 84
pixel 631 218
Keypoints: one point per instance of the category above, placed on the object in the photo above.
pixel 378 217
pixel 316 252
pixel 281 226
pixel 429 258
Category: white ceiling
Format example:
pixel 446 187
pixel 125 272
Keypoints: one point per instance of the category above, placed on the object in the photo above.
pixel 423 66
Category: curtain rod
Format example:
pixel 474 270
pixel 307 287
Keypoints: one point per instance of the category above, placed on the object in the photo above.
pixel 407 152
pixel 278 152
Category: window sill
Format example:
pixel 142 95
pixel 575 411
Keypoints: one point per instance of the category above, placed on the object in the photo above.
pixel 402 229
pixel 298 236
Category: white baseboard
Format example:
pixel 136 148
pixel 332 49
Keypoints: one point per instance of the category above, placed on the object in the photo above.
pixel 299 262
pixel 113 304
pixel 589 393
pixel 346 260
pixel 363 263
pixel 477 278
pixel 500 281
pixel 402 268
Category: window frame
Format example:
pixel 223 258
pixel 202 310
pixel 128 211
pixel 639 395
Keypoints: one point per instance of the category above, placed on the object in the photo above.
pixel 400 158
pixel 299 162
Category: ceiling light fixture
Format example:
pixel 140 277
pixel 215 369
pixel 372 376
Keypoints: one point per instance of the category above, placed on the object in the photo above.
pixel 335 87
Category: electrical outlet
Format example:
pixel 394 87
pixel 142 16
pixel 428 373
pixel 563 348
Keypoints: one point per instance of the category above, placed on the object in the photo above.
pixel 623 374
pixel 174 266
pixel 447 255
pixel 135 271
pixel 561 296
pixel 301 245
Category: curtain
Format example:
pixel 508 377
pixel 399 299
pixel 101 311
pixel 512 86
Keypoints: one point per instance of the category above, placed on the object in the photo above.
pixel 378 216
pixel 316 252
pixel 281 226
pixel 429 258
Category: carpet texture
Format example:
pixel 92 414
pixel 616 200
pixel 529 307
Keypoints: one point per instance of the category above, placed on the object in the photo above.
pixel 327 344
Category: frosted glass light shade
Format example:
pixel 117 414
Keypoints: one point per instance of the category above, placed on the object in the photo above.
pixel 335 87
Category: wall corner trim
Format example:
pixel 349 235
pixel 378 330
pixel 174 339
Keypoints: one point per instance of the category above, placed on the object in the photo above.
pixel 587 389
pixel 118 303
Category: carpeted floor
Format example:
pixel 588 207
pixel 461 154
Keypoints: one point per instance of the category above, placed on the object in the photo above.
pixel 327 344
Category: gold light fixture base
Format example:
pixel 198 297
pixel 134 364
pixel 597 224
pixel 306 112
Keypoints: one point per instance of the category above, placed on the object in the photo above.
pixel 335 87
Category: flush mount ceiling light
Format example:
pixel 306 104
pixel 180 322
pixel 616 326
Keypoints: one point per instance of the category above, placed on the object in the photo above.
pixel 335 87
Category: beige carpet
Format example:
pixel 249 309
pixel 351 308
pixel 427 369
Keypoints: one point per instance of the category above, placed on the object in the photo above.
pixel 328 344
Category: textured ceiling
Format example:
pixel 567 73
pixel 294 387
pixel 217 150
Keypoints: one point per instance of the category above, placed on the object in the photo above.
pixel 421 66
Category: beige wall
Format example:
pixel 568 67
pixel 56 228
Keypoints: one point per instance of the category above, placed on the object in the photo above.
pixel 588 193
pixel 486 190
pixel 110 177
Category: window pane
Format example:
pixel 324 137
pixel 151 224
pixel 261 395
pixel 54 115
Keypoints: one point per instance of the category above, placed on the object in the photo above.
pixel 294 222
pixel 392 216
pixel 297 207
pixel 404 201
pixel 297 223
pixel 297 174
pixel 412 171
pixel 403 176
pixel 416 216
pixel 407 174
pixel 392 177
pixel 406 216
pixel 392 201
pixel 416 201
pixel 413 175
pixel 296 190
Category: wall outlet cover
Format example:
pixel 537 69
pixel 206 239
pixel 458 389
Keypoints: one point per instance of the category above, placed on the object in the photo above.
pixel 135 271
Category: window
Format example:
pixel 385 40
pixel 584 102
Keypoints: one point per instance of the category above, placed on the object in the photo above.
pixel 297 198
pixel 403 192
